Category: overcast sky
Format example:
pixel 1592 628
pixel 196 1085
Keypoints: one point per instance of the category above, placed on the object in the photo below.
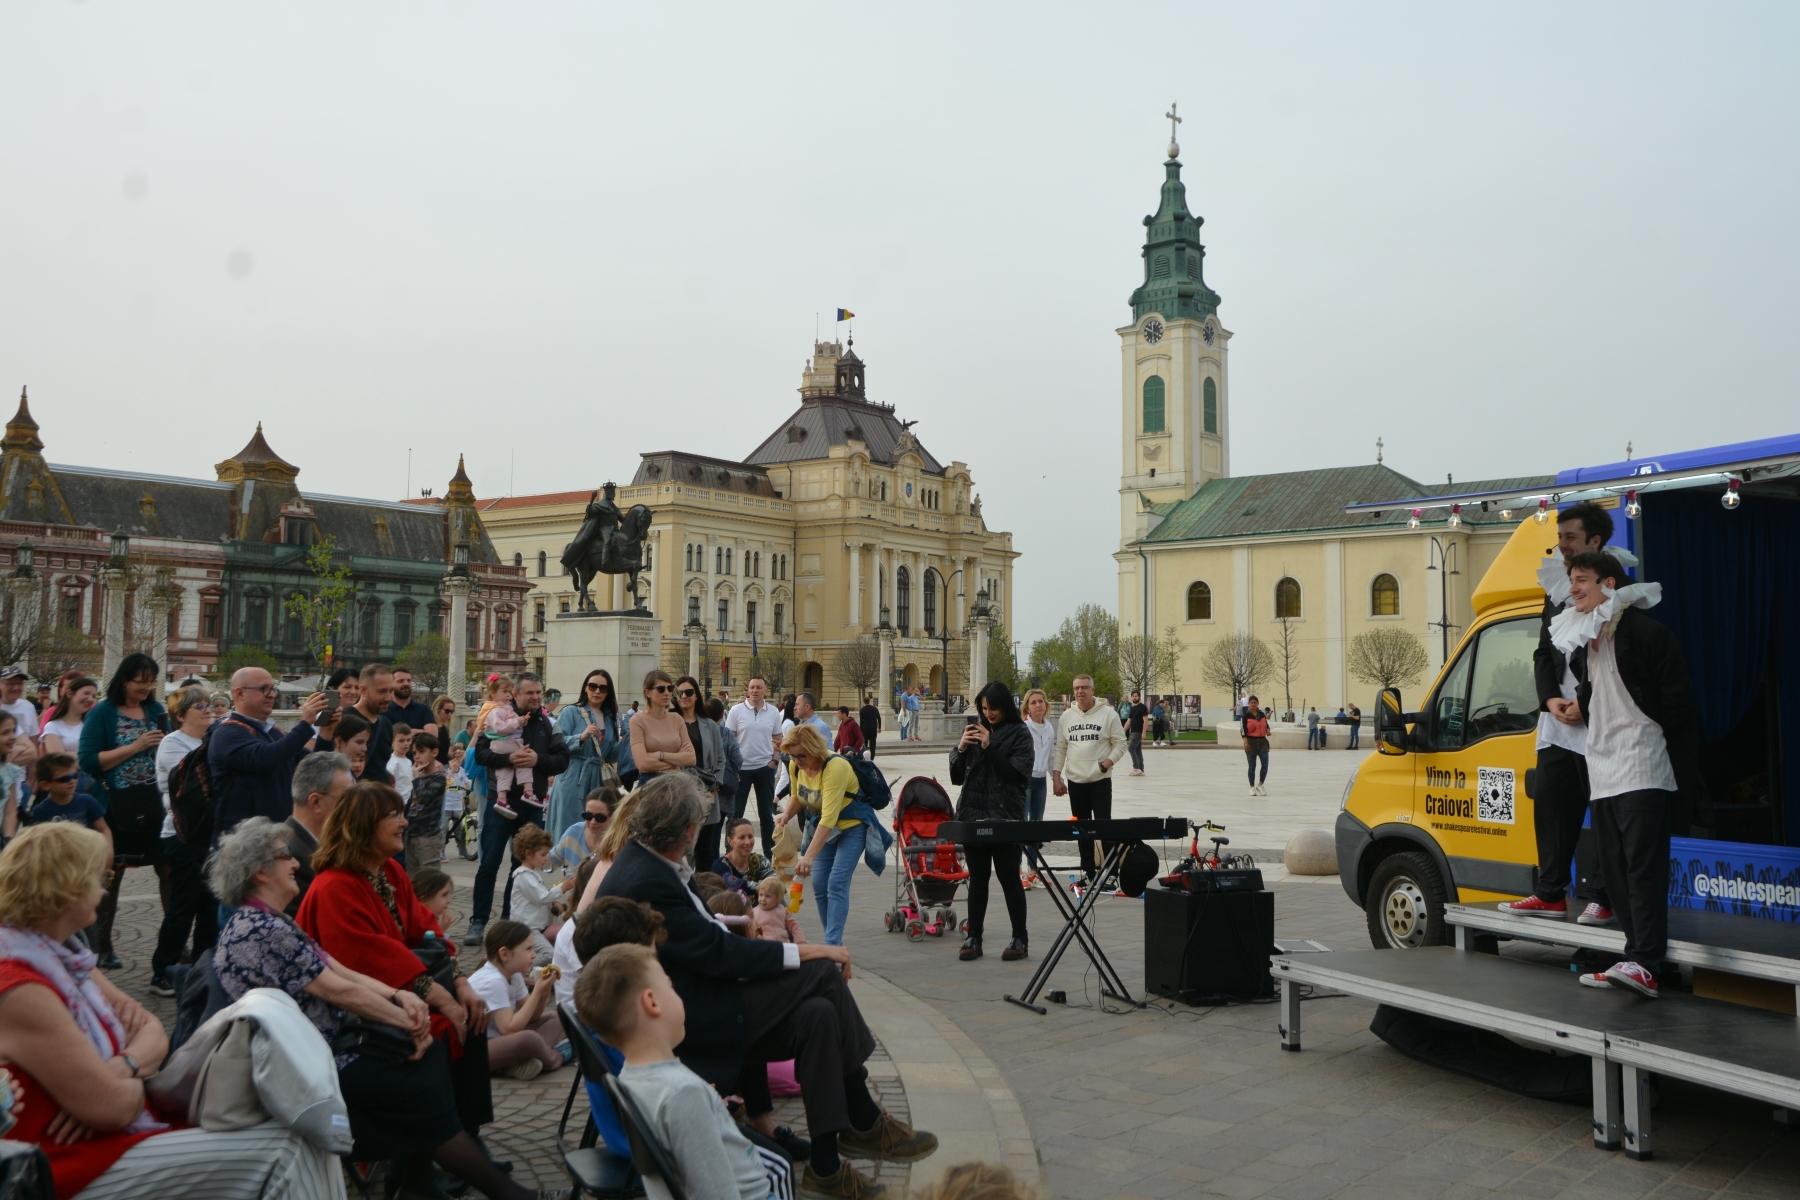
pixel 552 236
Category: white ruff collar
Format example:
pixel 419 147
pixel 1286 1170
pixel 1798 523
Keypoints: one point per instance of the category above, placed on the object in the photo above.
pixel 1572 629
pixel 1553 575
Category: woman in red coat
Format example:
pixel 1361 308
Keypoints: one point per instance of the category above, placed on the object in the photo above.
pixel 361 909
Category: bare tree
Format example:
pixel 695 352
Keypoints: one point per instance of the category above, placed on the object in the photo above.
pixel 776 662
pixel 1236 663
pixel 858 664
pixel 1287 658
pixel 427 657
pixel 1146 663
pixel 64 648
pixel 1387 656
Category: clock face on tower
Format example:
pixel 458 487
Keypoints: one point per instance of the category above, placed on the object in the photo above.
pixel 1153 331
pixel 1207 334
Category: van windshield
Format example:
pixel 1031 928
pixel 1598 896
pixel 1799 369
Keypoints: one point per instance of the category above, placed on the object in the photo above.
pixel 1491 688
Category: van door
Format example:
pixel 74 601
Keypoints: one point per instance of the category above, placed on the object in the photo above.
pixel 1480 738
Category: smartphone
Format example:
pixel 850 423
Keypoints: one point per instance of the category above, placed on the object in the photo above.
pixel 332 700
pixel 970 720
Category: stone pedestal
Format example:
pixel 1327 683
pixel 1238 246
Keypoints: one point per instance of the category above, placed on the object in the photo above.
pixel 629 645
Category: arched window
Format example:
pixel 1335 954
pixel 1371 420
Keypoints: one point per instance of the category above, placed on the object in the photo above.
pixel 1209 406
pixel 903 602
pixel 1199 602
pixel 1153 404
pixel 1287 599
pixel 518 559
pixel 930 601
pixel 1384 596
pixel 543 563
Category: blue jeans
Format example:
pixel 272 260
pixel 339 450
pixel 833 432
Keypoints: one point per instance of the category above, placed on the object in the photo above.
pixel 1256 756
pixel 762 781
pixel 1035 797
pixel 496 839
pixel 1355 735
pixel 831 880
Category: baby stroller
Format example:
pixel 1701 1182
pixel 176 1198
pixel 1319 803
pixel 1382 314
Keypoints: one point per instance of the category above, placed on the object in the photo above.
pixel 930 867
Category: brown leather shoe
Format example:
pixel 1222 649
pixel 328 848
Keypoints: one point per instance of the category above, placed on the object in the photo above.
pixel 971 950
pixel 847 1184
pixel 1015 950
pixel 891 1139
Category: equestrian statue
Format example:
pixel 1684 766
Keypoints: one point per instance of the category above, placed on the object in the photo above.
pixel 609 543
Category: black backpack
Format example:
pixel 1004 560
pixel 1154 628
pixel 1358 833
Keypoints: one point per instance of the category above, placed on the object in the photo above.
pixel 191 800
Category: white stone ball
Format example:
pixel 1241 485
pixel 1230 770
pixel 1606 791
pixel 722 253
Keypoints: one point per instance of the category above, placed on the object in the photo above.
pixel 1311 852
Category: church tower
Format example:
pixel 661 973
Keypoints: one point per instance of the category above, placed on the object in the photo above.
pixel 1174 416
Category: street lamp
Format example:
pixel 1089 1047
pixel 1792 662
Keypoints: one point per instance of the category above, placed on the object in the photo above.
pixel 1443 562
pixel 943 636
pixel 696 628
pixel 25 557
pixel 121 546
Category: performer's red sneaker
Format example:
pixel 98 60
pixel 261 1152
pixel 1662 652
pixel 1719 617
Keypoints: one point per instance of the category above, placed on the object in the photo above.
pixel 1597 914
pixel 1531 906
pixel 1632 975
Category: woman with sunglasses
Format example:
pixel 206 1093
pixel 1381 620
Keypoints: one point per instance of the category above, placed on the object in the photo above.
pixel 443 711
pixel 709 753
pixel 659 737
pixel 591 728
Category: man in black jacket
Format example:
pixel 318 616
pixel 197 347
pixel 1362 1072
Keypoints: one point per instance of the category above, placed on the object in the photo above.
pixel 1560 792
pixel 752 1002
pixel 1642 756
pixel 869 717
pixel 544 753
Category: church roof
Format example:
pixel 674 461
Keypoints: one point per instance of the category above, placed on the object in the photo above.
pixel 826 421
pixel 1309 502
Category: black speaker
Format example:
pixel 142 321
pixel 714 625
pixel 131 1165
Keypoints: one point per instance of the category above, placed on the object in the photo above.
pixel 1201 947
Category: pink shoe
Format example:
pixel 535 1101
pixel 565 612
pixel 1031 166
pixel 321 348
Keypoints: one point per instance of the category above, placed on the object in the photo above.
pixel 1597 914
pixel 1634 976
pixel 1531 906
pixel 530 800
pixel 505 810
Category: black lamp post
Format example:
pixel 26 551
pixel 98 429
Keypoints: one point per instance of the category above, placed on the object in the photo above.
pixel 1444 563
pixel 943 636
pixel 121 547
pixel 24 558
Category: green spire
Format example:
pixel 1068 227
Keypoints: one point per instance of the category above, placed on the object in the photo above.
pixel 1173 285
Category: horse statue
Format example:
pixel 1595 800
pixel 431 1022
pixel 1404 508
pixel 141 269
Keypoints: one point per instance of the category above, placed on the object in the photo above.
pixel 609 543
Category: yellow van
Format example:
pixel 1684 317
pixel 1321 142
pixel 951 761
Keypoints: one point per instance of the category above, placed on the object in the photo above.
pixel 1443 812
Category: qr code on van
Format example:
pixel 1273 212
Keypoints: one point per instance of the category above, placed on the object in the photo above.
pixel 1494 794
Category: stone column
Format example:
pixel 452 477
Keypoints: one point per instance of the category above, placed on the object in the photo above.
pixel 856 588
pixel 456 587
pixel 693 633
pixel 978 652
pixel 113 631
pixel 884 696
pixel 26 606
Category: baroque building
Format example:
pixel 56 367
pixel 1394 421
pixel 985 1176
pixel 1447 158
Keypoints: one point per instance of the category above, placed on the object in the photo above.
pixel 212 562
pixel 1203 553
pixel 793 553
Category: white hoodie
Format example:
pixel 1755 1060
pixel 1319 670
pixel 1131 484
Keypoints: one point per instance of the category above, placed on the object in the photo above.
pixel 1084 738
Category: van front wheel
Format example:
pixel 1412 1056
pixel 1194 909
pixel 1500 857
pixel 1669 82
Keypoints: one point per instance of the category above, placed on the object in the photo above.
pixel 1405 903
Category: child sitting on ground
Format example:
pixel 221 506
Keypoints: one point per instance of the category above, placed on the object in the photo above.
pixel 730 908
pixel 434 888
pixel 771 921
pixel 533 902
pixel 521 1023
pixel 399 763
pixel 563 957
pixel 625 996
pixel 499 723
pixel 425 808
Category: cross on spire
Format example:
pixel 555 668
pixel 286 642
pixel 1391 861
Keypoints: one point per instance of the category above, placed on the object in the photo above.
pixel 1378 451
pixel 1174 146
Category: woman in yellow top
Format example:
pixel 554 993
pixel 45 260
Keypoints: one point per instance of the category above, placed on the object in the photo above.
pixel 824 784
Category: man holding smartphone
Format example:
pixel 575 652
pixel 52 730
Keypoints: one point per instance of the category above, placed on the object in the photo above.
pixel 1089 740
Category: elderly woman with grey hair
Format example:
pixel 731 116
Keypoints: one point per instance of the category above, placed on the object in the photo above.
pixel 398 1095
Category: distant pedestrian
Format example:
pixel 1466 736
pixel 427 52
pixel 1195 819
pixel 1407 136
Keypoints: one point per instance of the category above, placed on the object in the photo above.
pixel 870 720
pixel 1255 728
pixel 849 738
pixel 1133 718
pixel 1313 738
pixel 1159 723
pixel 1355 728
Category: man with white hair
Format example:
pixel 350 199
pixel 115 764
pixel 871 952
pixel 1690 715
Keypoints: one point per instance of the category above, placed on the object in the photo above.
pixel 319 779
pixel 750 1002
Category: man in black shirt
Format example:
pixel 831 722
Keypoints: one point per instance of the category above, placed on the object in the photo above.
pixel 869 717
pixel 404 710
pixel 1135 713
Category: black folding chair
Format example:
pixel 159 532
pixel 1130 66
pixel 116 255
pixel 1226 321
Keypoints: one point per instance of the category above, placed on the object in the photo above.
pixel 651 1158
pixel 595 1170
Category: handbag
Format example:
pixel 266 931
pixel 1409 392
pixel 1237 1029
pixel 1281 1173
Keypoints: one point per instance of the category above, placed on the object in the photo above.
pixel 25 1172
pixel 385 1043
pixel 439 964
pixel 135 816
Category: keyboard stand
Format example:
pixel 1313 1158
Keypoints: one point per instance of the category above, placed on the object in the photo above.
pixel 1075 929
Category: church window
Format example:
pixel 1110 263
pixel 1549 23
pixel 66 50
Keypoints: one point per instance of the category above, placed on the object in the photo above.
pixel 1209 406
pixel 930 602
pixel 518 559
pixel 1160 269
pixel 256 618
pixel 1199 601
pixel 1153 404
pixel 1287 599
pixel 1384 596
pixel 903 602
pixel 543 563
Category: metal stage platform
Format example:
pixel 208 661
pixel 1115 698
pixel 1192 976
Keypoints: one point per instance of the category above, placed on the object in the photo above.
pixel 1721 942
pixel 1747 1051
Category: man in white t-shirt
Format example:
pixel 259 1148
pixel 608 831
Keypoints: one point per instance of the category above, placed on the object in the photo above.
pixel 757 727
pixel 12 700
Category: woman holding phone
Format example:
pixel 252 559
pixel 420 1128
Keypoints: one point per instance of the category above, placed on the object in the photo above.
pixel 118 750
pixel 591 729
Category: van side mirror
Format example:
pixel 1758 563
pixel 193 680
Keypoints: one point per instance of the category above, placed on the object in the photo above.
pixel 1390 722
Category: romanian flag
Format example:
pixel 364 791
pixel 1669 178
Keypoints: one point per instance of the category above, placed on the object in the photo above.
pixel 845 314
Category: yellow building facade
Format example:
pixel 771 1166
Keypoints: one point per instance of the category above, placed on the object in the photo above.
pixel 793 554
pixel 1203 553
